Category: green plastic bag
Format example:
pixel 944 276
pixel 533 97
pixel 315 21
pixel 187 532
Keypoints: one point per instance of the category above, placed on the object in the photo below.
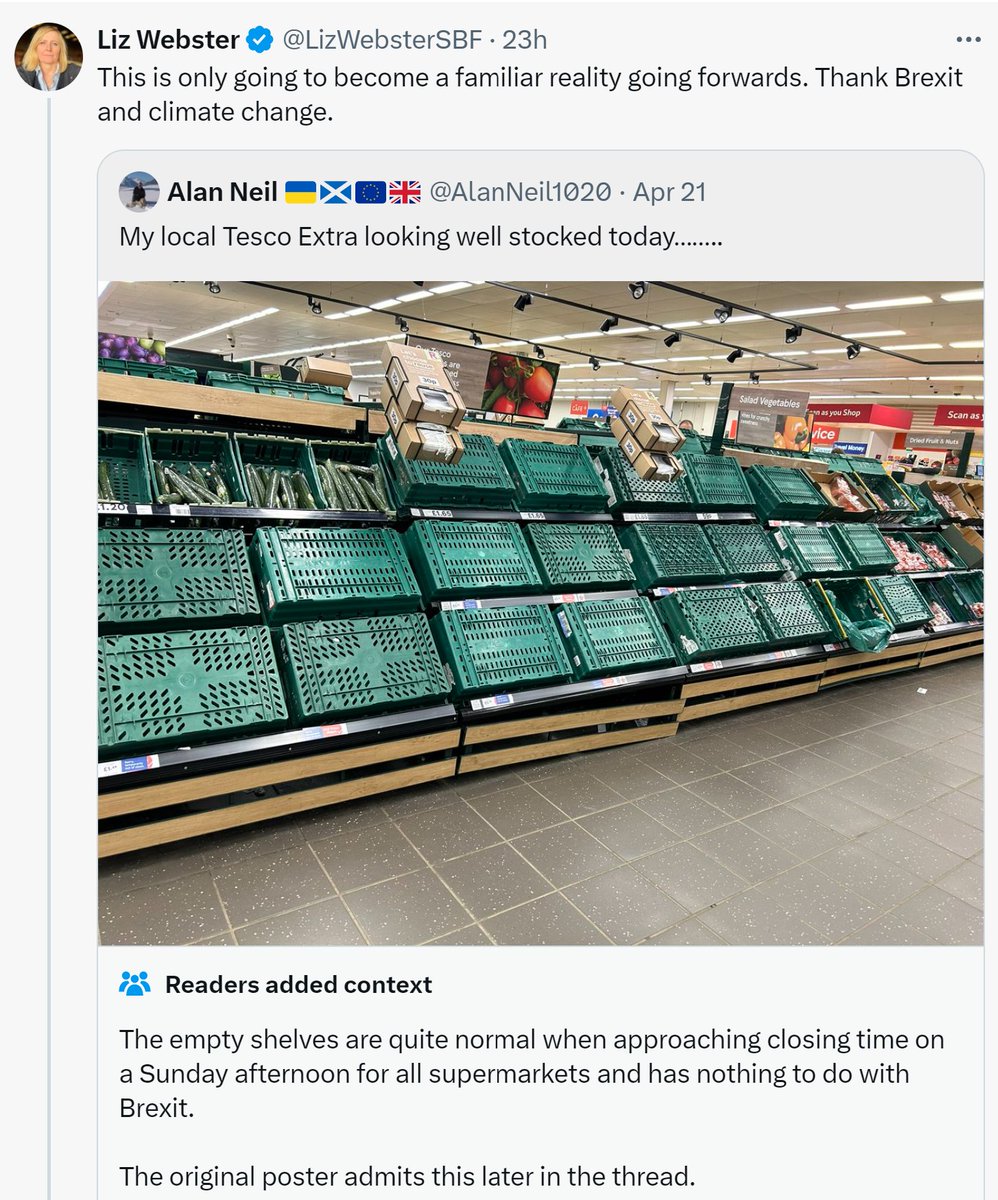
pixel 870 636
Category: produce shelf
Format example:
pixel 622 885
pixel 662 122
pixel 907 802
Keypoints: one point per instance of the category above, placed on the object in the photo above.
pixel 458 559
pixel 812 550
pixel 863 547
pixel 179 448
pixel 671 554
pixel 745 551
pixel 628 492
pixel 715 483
pixel 579 556
pixel 123 452
pixel 790 614
pixel 173 578
pixel 785 493
pixel 305 574
pixel 287 455
pixel 550 477
pixel 478 480
pixel 337 669
pixel 710 623
pixel 902 601
pixel 608 637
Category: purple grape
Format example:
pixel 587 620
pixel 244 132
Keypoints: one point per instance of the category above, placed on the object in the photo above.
pixel 118 343
pixel 152 357
pixel 131 341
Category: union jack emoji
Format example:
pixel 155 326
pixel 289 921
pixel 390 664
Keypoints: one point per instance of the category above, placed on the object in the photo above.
pixel 404 191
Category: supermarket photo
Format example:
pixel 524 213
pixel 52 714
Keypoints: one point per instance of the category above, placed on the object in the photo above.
pixel 540 613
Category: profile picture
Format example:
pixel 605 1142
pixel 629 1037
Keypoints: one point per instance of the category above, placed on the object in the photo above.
pixel 139 191
pixel 48 57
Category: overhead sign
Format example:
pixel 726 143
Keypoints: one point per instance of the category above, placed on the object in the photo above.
pixel 868 415
pixel 769 417
pixel 934 441
pixel 858 448
pixel 579 408
pixel 824 435
pixel 960 416
pixel 466 367
pixel 768 400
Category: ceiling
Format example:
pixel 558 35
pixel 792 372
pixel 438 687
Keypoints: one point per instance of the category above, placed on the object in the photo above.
pixel 917 353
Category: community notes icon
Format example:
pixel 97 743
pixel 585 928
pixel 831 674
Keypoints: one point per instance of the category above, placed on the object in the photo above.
pixel 370 191
pixel 300 191
pixel 134 983
pixel 335 191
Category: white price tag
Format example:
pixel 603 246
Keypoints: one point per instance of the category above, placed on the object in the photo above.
pixel 533 516
pixel 638 516
pixel 315 732
pixel 127 766
pixel 108 506
pixel 444 513
pixel 705 666
pixel 143 509
pixel 179 510
pixel 492 702
pixel 708 516
pixel 569 598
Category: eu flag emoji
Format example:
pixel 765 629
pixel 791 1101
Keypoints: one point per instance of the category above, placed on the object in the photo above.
pixel 370 191
pixel 300 191
pixel 335 191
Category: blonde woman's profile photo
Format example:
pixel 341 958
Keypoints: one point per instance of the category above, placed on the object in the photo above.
pixel 49 59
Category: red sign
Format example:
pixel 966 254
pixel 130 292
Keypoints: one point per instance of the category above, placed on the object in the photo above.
pixel 866 415
pixel 579 408
pixel 824 435
pixel 960 416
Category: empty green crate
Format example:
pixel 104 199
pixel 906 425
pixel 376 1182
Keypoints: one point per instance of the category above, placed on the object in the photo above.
pixel 126 456
pixel 461 559
pixel 236 381
pixel 941 546
pixel 608 637
pixel 812 550
pixel 156 690
pixel 970 587
pixel 665 554
pixel 717 484
pixel 785 494
pixel 864 548
pixel 902 601
pixel 791 614
pixel 310 573
pixel 498 650
pixel 577 557
pixel 711 623
pixel 141 370
pixel 173 578
pixel 338 669
pixel 478 480
pixel 284 454
pixel 552 477
pixel 178 448
pixel 628 492
pixel 745 551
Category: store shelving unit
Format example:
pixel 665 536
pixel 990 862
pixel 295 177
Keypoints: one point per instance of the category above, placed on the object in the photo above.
pixel 151 798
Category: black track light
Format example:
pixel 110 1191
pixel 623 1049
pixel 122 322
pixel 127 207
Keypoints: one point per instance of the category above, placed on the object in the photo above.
pixel 673 339
pixel 213 288
pixel 706 378
pixel 314 306
pixel 521 302
pixel 538 352
pixel 608 324
pixel 417 283
pixel 638 289
pixel 753 376
pixel 723 312
pixel 474 338
pixel 594 362
pixel 792 334
pixel 735 355
pixel 852 351
pixel 403 324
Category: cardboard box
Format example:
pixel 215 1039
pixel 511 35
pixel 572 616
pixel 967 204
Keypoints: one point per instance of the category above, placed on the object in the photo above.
pixel 647 421
pixel 431 443
pixel 952 490
pixel 649 464
pixel 329 371
pixel 420 386
pixel 974 491
pixel 835 486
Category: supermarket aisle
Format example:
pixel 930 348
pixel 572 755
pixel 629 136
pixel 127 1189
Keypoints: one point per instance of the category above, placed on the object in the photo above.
pixel 852 817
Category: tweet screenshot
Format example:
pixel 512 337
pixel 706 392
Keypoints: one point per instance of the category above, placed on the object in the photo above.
pixel 530 736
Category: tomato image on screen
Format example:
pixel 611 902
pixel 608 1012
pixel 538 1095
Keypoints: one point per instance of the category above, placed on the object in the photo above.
pixel 522 387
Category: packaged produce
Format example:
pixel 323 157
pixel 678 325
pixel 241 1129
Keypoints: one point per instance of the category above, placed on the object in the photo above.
pixel 423 440
pixel 349 487
pixel 196 484
pixel 644 418
pixel 937 556
pixel 844 495
pixel 908 558
pixel 947 505
pixel 420 387
pixel 328 371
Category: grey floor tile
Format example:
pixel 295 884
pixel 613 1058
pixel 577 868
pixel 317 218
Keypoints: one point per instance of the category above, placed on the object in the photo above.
pixel 342 818
pixel 904 734
pixel 485 783
pixel 762 742
pixel 717 750
pixel 626 906
pixel 937 769
pixel 889 930
pixel 797 731
pixel 810 764
pixel 517 810
pixel 801 835
pixel 266 885
pixel 904 774
pixel 492 880
pixel 884 798
pixel 965 808
pixel 772 779
pixel 820 902
pixel 407 911
pixel 695 879
pixel 873 742
pixel 543 768
pixel 324 924
pixel 745 852
pixel 750 919
pixel 690 932
pixel 966 883
pixel 682 812
pixel 144 868
pixel 164 914
pixel 678 764
pixel 549 921
pixel 237 844
pixel 472 935
pixel 628 831
pixel 876 879
pixel 974 788
pixel 577 793
pixel 411 801
pixel 629 776
pixel 565 854
pixel 366 856
pixel 910 851
pixel 945 831
pixel 220 939
pixel 838 813
pixel 960 756
pixel 444 833
pixel 943 917
pixel 847 755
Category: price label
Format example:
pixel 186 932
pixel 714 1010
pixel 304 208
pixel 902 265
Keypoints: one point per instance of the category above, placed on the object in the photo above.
pixel 708 516
pixel 127 766
pixel 533 516
pixel 106 506
pixel 569 598
pixel 458 605
pixel 143 509
pixel 179 510
pixel 610 681
pixel 638 516
pixel 492 702
pixel 317 732
pixel 696 668
pixel 444 513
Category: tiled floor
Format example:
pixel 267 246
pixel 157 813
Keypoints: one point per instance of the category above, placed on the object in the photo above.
pixel 850 817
